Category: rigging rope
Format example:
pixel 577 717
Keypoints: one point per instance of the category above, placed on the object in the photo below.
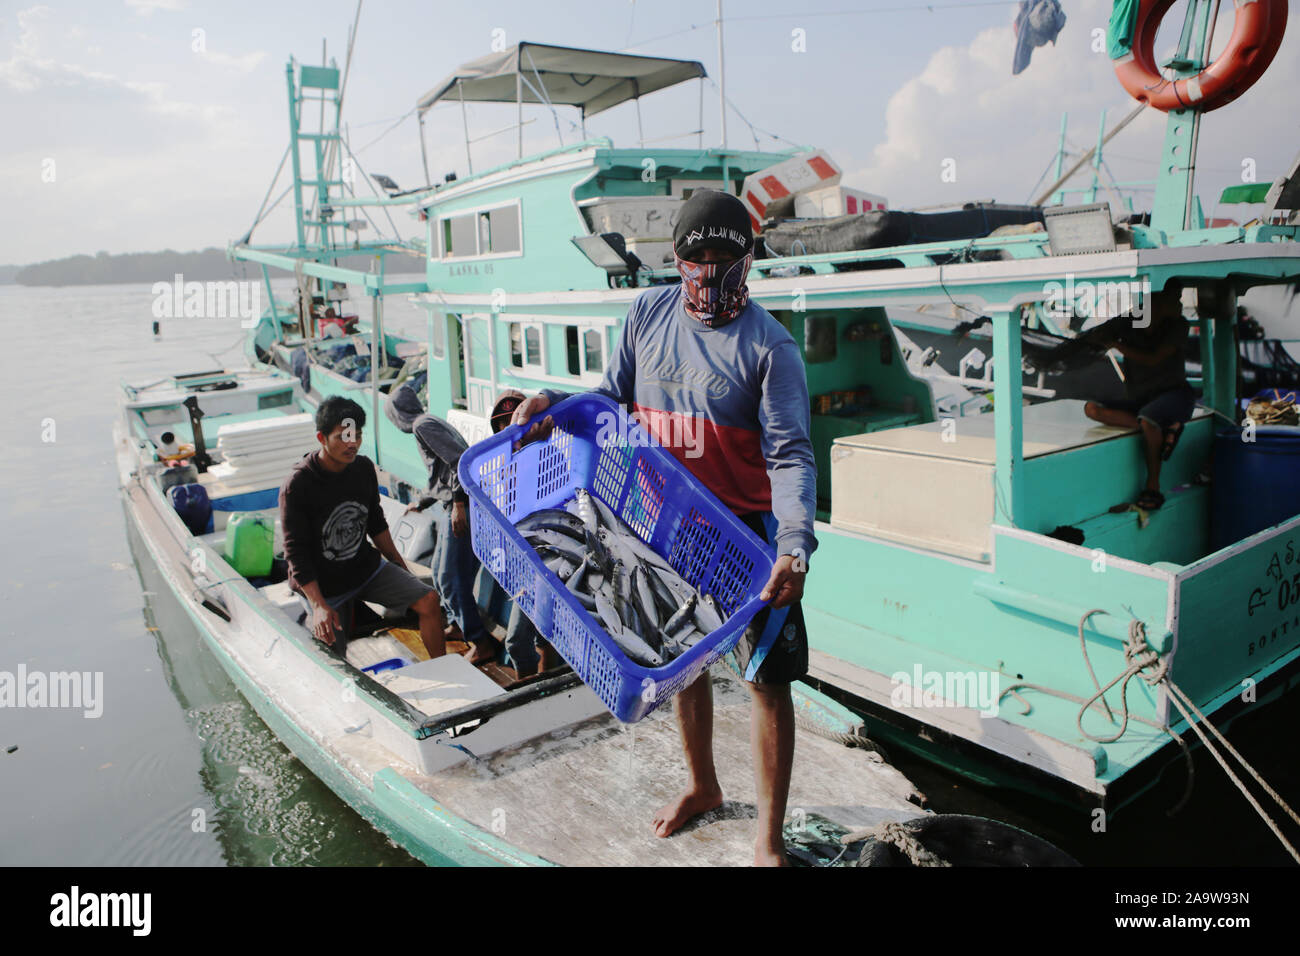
pixel 1142 660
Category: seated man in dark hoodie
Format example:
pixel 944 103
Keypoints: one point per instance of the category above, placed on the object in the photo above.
pixel 328 505
pixel 1159 401
pixel 529 653
pixel 454 565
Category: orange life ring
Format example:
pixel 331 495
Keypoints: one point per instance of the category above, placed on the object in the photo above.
pixel 1256 36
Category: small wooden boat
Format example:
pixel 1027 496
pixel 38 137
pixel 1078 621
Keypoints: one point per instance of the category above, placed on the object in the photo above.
pixel 459 765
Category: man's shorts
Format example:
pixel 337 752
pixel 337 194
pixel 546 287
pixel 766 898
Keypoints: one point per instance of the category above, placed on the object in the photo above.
pixel 776 642
pixel 389 586
pixel 1164 409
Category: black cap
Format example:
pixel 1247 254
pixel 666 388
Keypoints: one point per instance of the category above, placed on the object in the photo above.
pixel 712 219
pixel 504 409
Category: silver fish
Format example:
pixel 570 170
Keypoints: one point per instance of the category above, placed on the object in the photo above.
pixel 562 566
pixel 664 599
pixel 707 617
pixel 586 511
pixel 689 637
pixel 552 519
pixel 585 599
pixel 636 648
pixel 683 615
pixel 608 616
pixel 562 543
pixel 574 580
pixel 648 609
pixel 641 587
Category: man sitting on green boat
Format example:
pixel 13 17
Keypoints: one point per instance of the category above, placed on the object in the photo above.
pixel 454 565
pixel 1159 400
pixel 328 505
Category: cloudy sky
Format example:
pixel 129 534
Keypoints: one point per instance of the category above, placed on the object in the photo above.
pixel 137 125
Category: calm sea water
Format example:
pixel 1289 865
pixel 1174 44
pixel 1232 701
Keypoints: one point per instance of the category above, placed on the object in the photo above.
pixel 178 769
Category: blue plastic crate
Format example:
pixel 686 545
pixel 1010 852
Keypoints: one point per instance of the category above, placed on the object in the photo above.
pixel 654 495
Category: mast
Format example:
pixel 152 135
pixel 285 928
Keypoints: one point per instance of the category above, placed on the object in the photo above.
pixel 722 81
pixel 1171 210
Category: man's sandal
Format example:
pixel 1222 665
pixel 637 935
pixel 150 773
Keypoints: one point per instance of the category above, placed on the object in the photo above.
pixel 1150 500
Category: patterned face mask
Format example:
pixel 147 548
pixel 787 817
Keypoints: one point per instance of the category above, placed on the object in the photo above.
pixel 712 295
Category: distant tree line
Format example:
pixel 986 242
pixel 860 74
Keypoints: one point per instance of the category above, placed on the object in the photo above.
pixel 104 269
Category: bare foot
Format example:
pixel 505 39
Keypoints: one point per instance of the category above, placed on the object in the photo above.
pixel 770 855
pixel 482 651
pixel 673 816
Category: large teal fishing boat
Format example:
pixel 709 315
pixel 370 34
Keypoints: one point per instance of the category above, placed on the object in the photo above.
pixel 974 591
pixel 457 763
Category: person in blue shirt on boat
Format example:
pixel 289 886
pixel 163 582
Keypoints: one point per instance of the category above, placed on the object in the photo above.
pixel 328 506
pixel 721 384
pixel 1159 400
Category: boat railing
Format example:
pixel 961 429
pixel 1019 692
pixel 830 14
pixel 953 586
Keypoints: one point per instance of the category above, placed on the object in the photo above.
pixel 1020 247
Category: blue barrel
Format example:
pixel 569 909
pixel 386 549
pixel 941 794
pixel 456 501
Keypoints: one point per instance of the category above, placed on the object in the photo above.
pixel 1256 484
pixel 192 504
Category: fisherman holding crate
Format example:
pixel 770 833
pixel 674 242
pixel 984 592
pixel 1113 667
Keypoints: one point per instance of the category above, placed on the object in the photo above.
pixel 720 383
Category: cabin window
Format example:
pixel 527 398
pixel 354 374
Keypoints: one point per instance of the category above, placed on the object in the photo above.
pixel 593 351
pixel 458 237
pixel 525 345
pixel 533 345
pixel 503 230
pixel 819 339
pixel 485 232
pixel 571 346
pixel 586 350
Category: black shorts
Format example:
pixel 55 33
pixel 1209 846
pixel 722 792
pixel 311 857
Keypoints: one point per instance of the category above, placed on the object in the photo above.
pixel 786 657
pixel 390 586
pixel 1163 409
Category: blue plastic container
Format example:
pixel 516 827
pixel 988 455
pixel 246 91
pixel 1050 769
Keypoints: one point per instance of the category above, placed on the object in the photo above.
pixel 1256 484
pixel 655 496
pixel 191 503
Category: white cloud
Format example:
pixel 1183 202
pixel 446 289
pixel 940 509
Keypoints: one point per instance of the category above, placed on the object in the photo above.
pixel 28 71
pixel 244 64
pixel 145 8
pixel 1001 130
pixel 16 72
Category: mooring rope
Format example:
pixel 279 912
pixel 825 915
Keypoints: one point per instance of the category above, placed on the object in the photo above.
pixel 1141 659
pixel 904 840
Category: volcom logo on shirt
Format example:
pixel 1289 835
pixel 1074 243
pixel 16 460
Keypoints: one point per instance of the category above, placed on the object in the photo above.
pixel 344 530
pixel 658 367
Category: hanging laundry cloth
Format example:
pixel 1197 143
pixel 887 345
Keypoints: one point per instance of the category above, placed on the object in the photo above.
pixel 1119 32
pixel 1037 23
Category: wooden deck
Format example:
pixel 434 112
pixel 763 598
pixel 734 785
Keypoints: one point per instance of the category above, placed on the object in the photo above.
pixel 585 795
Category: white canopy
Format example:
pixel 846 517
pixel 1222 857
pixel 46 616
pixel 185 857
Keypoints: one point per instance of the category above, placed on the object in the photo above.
pixel 538 73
